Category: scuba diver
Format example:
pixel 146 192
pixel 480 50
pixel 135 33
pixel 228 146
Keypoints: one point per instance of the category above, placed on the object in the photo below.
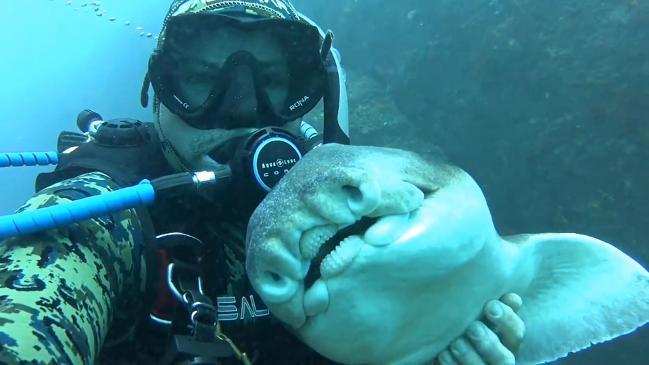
pixel 166 284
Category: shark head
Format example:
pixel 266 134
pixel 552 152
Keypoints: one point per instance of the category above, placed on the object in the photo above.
pixel 348 225
pixel 375 255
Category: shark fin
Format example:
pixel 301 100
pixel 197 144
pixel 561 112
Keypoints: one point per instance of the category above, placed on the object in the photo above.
pixel 581 291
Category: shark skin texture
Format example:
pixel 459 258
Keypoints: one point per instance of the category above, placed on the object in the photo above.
pixel 376 256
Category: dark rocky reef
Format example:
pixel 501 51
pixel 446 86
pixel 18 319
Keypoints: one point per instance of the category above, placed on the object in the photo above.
pixel 545 103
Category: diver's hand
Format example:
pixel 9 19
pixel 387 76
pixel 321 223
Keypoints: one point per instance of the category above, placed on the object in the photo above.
pixel 494 344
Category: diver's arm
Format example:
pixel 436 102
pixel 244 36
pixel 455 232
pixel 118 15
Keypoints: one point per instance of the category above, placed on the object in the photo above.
pixel 493 342
pixel 61 289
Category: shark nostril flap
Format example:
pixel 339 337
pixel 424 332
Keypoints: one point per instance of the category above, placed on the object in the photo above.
pixel 364 198
pixel 277 288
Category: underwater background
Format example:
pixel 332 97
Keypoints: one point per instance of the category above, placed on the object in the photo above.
pixel 544 103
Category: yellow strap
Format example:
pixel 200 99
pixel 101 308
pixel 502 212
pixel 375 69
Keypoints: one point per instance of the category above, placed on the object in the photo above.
pixel 240 355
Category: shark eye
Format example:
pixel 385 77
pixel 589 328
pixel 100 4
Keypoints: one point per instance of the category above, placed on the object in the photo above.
pixel 425 187
pixel 427 190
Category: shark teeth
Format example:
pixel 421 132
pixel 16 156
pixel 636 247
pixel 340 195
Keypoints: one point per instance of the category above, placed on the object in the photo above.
pixel 343 255
pixel 314 238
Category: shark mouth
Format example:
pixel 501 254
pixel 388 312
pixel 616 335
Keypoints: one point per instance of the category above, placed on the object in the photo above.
pixel 334 250
pixel 331 249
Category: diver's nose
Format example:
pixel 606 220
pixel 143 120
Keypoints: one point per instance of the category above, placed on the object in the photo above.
pixel 240 99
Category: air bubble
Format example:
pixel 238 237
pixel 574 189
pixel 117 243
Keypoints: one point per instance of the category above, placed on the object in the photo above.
pixel 94 7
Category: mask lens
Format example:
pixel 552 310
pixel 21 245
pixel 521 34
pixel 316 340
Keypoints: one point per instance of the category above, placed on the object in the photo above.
pixel 193 80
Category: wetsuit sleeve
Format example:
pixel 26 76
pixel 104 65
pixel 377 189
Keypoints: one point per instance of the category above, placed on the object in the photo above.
pixel 61 290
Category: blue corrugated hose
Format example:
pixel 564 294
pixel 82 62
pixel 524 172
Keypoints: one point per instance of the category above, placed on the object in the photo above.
pixel 75 211
pixel 28 159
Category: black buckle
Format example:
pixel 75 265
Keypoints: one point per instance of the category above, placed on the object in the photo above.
pixel 202 346
pixel 198 314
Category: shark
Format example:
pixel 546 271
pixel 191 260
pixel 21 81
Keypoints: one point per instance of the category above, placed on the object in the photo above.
pixel 374 255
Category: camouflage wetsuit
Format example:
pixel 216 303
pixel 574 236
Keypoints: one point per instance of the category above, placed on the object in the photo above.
pixel 77 294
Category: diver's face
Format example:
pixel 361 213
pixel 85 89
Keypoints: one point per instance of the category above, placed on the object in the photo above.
pixel 203 56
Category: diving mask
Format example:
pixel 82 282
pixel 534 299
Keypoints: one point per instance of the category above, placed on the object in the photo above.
pixel 202 95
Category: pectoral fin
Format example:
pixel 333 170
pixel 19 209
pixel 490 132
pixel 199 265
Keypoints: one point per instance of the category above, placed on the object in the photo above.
pixel 579 291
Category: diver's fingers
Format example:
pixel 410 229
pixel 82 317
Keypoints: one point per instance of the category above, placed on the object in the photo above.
pixel 464 353
pixel 506 323
pixel 513 300
pixel 488 345
pixel 445 358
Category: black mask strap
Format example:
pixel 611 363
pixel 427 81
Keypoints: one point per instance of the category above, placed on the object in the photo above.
pixel 327 43
pixel 144 92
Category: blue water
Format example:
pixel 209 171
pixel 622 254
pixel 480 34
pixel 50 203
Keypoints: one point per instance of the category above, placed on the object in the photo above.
pixel 56 61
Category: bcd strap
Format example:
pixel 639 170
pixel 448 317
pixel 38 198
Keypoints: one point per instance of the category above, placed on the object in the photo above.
pixel 195 334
